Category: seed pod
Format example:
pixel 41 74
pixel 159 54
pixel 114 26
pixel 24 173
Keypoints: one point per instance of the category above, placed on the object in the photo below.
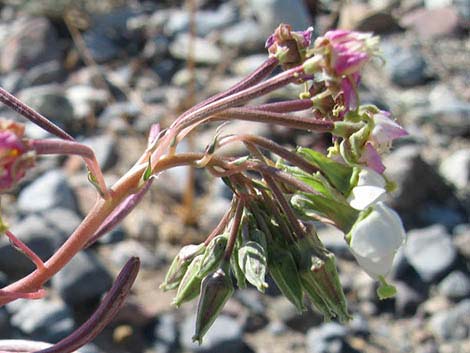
pixel 179 266
pixel 190 284
pixel 283 270
pixel 213 255
pixel 216 289
pixel 252 260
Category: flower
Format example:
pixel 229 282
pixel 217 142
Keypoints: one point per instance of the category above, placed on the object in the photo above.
pixel 375 239
pixel 385 131
pixel 370 189
pixel 288 46
pixel 14 159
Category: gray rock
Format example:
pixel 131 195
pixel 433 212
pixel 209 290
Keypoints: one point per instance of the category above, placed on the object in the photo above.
pixel 62 220
pixel 206 21
pixel 124 250
pixel 110 35
pixel 38 236
pixel 225 335
pixel 291 317
pixel 417 182
pixel 405 66
pixel 270 13
pixel 235 36
pixel 407 299
pixel 430 252
pixel 50 101
pixel 29 42
pixel 439 214
pixel 205 52
pixel 328 338
pixel 90 348
pixel 12 81
pixel 50 190
pixel 104 147
pixel 42 320
pixel 4 321
pixel 111 117
pixel 83 279
pixel 456 168
pixel 166 334
pixel 86 100
pixel 452 324
pixel 45 73
pixel 455 286
pixel 3 279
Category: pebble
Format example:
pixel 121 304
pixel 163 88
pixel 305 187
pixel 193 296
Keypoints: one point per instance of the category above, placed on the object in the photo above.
pixel 29 42
pixel 46 73
pixel 235 36
pixel 124 250
pixel 166 334
pixel 225 335
pixel 50 190
pixel 86 100
pixel 455 286
pixel 104 147
pixel 205 52
pixel 430 252
pixel 82 280
pixel 432 23
pixel 50 101
pixel 407 299
pixel 406 66
pixel 328 338
pixel 456 168
pixel 42 320
pixel 452 324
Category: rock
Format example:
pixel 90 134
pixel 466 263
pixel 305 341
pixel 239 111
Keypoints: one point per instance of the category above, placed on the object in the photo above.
pixel 328 338
pixel 406 67
pixel 42 320
pixel 3 279
pixel 433 213
pixel 82 280
pixel 110 36
pixel 50 190
pixel 362 17
pixel 452 324
pixel 62 220
pixel 270 13
pixel 407 299
pixel 290 316
pixel 456 168
pixel 433 23
pixel 86 100
pixel 46 73
pixel 214 212
pixel 246 65
pixel 12 81
pixel 50 101
pixel 37 235
pixel 225 335
pixel 124 250
pixel 166 334
pixel 104 147
pixel 417 182
pixel 90 348
pixel 205 21
pixel 447 113
pixel 430 252
pixel 205 52
pixel 235 36
pixel 455 286
pixel 462 239
pixel 29 42
pixel 114 114
pixel 333 239
pixel 4 321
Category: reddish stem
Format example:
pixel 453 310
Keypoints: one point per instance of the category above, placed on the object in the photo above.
pixel 25 250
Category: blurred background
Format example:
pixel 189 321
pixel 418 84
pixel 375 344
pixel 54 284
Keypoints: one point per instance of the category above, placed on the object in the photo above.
pixel 107 70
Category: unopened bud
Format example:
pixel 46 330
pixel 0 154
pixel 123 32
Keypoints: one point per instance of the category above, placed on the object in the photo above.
pixel 252 260
pixel 216 289
pixel 213 255
pixel 179 266
pixel 283 270
pixel 190 284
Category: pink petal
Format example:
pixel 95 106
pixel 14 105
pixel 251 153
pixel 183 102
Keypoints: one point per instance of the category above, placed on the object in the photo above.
pixel 386 129
pixel 372 159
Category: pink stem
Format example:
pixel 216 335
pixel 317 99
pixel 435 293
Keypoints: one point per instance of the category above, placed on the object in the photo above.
pixel 25 250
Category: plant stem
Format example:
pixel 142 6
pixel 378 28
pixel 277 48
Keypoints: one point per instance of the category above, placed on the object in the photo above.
pixel 234 230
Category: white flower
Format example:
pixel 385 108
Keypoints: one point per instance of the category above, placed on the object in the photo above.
pixel 375 240
pixel 369 190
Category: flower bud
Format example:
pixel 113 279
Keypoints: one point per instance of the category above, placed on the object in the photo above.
pixel 375 238
pixel 252 260
pixel 190 284
pixel 213 255
pixel 179 266
pixel 283 270
pixel 216 289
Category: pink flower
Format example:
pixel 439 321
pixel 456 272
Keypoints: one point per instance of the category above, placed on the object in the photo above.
pixel 349 88
pixel 14 160
pixel 385 131
pixel 349 50
pixel 371 158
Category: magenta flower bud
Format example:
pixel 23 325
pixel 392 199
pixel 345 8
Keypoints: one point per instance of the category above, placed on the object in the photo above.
pixel 288 46
pixel 14 157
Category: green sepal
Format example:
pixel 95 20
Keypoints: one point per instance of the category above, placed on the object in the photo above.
pixel 252 261
pixel 385 289
pixel 213 255
pixel 190 284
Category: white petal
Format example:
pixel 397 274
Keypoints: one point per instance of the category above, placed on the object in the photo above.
pixel 369 176
pixel 362 197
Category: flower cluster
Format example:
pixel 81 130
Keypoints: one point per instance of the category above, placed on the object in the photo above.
pixel 14 157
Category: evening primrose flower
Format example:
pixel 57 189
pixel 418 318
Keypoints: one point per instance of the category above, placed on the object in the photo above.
pixel 14 156
pixel 370 189
pixel 385 131
pixel 375 239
